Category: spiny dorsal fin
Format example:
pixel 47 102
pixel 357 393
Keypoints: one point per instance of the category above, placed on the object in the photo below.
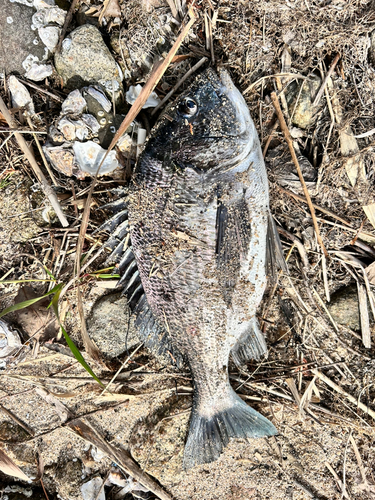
pixel 155 337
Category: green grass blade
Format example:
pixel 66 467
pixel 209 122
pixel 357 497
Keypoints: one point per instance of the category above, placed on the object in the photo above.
pixel 70 342
pixel 27 303
pixel 49 273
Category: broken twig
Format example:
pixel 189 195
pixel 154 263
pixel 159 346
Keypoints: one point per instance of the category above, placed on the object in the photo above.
pixel 341 391
pixel 327 77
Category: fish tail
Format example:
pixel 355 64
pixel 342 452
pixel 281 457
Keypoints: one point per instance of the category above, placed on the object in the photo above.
pixel 210 434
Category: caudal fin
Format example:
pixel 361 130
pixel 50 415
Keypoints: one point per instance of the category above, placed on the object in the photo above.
pixel 209 435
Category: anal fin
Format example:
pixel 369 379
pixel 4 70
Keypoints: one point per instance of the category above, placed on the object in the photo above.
pixel 251 344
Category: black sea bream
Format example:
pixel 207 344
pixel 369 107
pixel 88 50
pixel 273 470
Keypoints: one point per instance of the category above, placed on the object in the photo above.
pixel 199 224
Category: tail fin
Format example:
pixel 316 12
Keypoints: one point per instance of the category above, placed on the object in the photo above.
pixel 208 435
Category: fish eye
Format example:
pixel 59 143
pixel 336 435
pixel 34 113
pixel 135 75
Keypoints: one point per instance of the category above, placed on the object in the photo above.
pixel 187 107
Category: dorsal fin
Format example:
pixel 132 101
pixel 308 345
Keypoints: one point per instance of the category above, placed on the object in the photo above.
pixel 154 336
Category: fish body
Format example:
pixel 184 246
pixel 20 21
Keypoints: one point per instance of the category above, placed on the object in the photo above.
pixel 198 214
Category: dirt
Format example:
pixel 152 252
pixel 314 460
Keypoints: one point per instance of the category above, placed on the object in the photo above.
pixel 325 444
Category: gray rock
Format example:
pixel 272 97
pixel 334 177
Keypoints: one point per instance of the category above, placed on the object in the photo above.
pixel 300 102
pixel 18 41
pixel 109 326
pixel 85 59
pixel 344 307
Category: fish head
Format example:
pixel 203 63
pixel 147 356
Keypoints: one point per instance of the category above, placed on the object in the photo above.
pixel 208 126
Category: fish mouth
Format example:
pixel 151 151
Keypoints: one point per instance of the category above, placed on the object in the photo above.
pixel 224 86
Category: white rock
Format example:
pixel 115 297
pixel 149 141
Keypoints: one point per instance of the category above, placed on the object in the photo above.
pixel 88 156
pixel 124 144
pixel 38 72
pixel 82 131
pixel 74 103
pixel 67 128
pixel 20 96
pixel 100 97
pixel 91 122
pixel 28 3
pixel 117 479
pixel 43 4
pixel 10 342
pixel 133 93
pixel 97 454
pixel 49 36
pixel 91 489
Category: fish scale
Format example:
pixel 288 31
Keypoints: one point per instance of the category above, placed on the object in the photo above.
pixel 199 226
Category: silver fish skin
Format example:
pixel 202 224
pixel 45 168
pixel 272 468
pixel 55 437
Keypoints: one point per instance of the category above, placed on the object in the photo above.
pixel 199 219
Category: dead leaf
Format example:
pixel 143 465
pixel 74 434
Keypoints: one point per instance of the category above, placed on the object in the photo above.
pixel 63 412
pixel 110 9
pixel 36 320
pixel 121 457
pixel 8 467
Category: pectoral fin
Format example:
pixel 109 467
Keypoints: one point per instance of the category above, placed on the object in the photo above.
pixel 233 232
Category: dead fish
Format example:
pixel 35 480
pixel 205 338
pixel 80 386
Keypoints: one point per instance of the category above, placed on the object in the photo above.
pixel 194 267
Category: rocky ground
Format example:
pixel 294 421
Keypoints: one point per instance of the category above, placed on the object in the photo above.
pixel 68 82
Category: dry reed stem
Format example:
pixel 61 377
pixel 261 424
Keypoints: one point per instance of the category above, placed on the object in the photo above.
pixel 17 420
pixel 106 388
pixel 364 315
pixel 263 78
pixel 341 391
pixel 365 483
pixel 173 8
pixel 47 189
pixel 360 234
pixel 327 77
pixel 122 459
pixel 41 152
pixel 289 141
pixel 66 25
pixel 40 89
pixel 178 84
pixel 338 480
